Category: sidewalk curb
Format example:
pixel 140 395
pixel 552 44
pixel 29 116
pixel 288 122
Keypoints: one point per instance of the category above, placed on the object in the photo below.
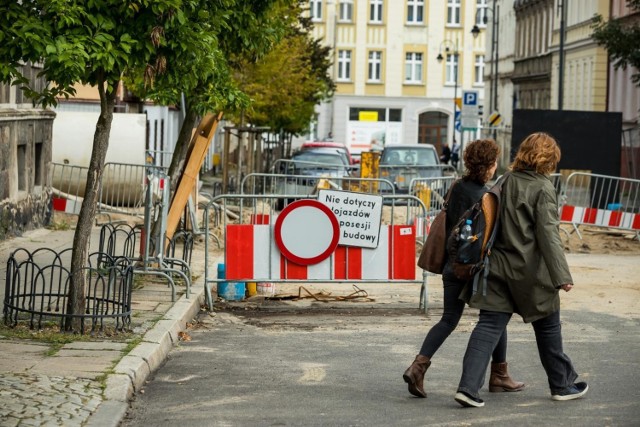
pixel 134 368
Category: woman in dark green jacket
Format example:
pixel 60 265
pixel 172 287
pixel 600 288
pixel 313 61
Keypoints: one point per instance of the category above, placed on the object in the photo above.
pixel 527 269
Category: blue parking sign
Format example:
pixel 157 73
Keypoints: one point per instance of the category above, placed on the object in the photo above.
pixel 470 98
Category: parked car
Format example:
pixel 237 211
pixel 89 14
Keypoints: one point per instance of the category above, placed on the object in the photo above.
pixel 302 173
pixel 329 144
pixel 402 163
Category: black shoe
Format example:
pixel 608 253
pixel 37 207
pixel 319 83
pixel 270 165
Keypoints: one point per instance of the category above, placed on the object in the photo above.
pixel 574 391
pixel 468 401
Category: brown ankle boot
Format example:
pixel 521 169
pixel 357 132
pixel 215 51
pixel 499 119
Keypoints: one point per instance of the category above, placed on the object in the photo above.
pixel 500 379
pixel 414 375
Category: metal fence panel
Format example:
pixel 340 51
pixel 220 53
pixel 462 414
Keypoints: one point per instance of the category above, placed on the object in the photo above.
pixel 601 200
pixel 257 216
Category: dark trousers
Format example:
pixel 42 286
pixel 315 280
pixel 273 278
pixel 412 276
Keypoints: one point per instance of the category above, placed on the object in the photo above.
pixel 485 335
pixel 453 308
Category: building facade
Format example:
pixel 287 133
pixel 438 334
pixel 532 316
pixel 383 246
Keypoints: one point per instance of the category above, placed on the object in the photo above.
pixel 584 74
pixel 399 67
pixel 25 160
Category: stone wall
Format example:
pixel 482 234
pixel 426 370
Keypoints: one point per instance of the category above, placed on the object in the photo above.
pixel 25 165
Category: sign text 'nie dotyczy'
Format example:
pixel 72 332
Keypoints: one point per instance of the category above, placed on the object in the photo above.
pixel 358 214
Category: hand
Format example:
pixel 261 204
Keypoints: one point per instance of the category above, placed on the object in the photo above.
pixel 567 287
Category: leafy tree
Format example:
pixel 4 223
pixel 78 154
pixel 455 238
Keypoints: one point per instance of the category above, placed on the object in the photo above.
pixel 289 81
pixel 217 33
pixel 91 42
pixel 621 39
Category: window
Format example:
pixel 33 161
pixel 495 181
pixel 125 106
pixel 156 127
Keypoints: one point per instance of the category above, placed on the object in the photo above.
pixel 415 10
pixel 344 65
pixel 479 70
pixel 453 12
pixel 375 66
pixel 413 68
pixel 452 69
pixel 346 10
pixel 22 167
pixel 481 13
pixel 316 10
pixel 38 165
pixel 375 11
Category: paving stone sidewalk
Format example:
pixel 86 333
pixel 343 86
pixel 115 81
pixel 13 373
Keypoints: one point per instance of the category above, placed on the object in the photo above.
pixel 88 383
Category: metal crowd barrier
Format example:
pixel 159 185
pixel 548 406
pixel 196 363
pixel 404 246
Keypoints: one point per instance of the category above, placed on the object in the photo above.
pixel 258 213
pixel 295 167
pixel 601 201
pixel 68 183
pixel 122 188
pixel 558 181
pixel 432 192
pixel 305 185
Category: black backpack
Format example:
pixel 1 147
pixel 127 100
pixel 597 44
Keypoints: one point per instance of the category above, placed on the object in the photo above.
pixel 471 256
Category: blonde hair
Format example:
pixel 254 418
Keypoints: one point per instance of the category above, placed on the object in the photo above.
pixel 540 152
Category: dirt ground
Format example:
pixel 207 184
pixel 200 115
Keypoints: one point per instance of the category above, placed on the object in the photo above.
pixel 598 240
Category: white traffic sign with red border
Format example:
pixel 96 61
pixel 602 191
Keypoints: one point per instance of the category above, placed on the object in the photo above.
pixel 313 220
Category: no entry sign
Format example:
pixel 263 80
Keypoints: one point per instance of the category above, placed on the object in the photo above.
pixel 306 232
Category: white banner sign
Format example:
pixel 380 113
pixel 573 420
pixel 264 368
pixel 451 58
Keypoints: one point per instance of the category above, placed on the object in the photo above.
pixel 359 216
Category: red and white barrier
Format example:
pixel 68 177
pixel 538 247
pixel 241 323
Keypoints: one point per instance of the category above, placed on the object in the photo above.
pixel 63 204
pixel 252 255
pixel 600 217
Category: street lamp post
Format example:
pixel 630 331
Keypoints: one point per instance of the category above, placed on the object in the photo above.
pixel 452 47
pixel 475 31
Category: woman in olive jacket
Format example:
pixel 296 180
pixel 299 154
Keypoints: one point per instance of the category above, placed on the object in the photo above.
pixel 526 271
pixel 480 162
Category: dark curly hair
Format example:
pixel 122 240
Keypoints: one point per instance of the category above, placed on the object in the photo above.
pixel 479 156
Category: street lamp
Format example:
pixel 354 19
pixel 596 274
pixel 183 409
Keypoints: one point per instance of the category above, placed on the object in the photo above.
pixel 451 48
pixel 475 31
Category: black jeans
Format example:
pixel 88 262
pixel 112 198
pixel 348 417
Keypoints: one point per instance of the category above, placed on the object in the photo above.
pixel 485 335
pixel 453 308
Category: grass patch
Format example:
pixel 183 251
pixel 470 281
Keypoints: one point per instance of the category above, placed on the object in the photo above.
pixel 50 334
pixel 59 225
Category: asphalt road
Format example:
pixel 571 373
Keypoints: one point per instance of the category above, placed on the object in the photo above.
pixel 343 367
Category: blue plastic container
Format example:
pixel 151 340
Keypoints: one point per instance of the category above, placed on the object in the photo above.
pixel 230 291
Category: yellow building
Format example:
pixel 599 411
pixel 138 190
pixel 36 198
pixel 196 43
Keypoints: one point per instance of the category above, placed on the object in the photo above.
pixel 391 86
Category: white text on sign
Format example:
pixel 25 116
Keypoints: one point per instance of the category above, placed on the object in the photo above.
pixel 358 214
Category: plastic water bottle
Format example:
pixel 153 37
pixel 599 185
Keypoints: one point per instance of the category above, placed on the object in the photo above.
pixel 465 232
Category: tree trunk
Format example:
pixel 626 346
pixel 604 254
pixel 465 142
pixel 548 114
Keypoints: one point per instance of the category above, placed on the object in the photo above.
pixel 82 237
pixel 178 161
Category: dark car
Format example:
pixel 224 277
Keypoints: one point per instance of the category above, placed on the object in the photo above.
pixel 402 163
pixel 305 169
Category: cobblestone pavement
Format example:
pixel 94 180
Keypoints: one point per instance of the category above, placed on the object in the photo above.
pixel 44 384
pixel 42 400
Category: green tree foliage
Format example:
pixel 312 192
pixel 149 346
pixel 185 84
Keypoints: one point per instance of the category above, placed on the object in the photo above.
pixel 621 39
pixel 219 35
pixel 91 42
pixel 289 81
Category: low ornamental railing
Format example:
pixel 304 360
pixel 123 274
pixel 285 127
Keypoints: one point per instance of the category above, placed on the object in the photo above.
pixel 37 288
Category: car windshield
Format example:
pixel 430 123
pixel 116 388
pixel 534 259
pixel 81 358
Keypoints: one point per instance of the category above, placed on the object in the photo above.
pixel 327 159
pixel 409 156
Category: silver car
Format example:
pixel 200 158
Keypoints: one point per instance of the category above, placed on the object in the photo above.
pixel 400 164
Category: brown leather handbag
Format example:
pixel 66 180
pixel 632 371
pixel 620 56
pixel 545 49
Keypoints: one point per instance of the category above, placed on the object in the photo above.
pixel 434 249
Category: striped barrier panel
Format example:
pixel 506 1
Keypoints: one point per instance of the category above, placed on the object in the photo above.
pixel 67 205
pixel 600 217
pixel 251 254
